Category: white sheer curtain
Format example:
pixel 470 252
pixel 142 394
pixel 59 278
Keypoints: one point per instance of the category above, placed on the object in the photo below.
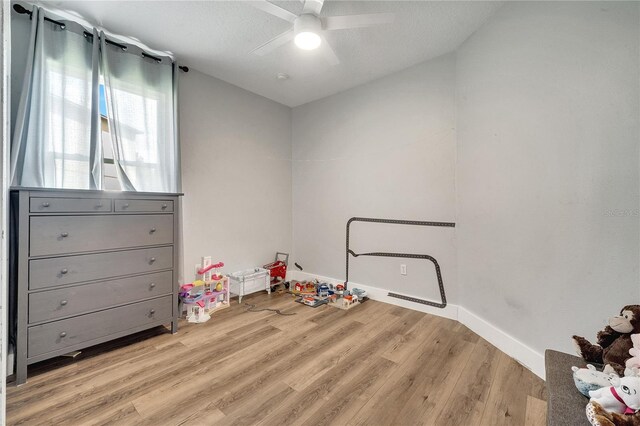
pixel 140 92
pixel 56 137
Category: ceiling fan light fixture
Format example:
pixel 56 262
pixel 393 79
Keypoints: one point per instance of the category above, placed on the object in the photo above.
pixel 307 29
pixel 307 40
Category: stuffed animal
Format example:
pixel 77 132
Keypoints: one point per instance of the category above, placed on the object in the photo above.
pixel 614 341
pixel 589 379
pixel 598 416
pixel 622 398
pixel 634 361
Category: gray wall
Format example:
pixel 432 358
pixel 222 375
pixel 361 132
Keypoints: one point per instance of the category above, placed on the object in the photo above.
pixel 384 150
pixel 548 184
pixel 236 174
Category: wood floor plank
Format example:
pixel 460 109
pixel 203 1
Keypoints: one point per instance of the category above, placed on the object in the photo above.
pixel 254 409
pixel 313 396
pixel 376 364
pixel 536 412
pixel 507 400
pixel 342 402
pixel 413 375
pixel 405 344
pixel 467 401
pixel 438 380
pixel 341 346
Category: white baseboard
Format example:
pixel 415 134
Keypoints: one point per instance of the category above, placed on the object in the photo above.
pixel 517 350
pixel 522 353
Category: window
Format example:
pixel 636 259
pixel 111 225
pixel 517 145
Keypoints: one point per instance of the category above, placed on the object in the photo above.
pixel 110 179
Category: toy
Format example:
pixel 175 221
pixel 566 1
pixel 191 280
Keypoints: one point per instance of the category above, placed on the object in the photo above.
pixel 312 301
pixel 622 397
pixel 348 301
pixel 589 379
pixel 196 312
pixel 323 290
pixel 206 268
pixel 598 416
pixel 634 361
pixel 206 294
pixel 278 269
pixel 309 301
pixel 359 292
pixel 614 341
pixel 249 281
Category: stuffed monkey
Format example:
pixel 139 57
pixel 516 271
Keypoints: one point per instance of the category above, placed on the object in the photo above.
pixel 614 341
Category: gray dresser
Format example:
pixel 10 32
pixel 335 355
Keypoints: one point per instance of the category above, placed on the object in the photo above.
pixel 88 267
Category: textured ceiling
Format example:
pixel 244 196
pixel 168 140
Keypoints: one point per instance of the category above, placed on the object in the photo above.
pixel 215 37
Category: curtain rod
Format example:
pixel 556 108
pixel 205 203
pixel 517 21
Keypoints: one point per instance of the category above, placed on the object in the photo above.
pixel 23 11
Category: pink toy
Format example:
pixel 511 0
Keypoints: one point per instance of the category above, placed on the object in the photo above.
pixel 206 268
pixel 206 294
pixel 218 265
pixel 634 361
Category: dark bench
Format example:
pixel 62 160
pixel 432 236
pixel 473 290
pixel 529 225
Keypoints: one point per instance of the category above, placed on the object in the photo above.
pixel 565 405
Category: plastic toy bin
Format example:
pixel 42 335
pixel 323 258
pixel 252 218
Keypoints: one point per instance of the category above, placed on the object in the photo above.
pixel 249 281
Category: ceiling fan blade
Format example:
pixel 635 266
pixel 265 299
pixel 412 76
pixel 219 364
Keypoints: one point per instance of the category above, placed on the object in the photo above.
pixel 274 10
pixel 356 21
pixel 313 6
pixel 329 53
pixel 274 43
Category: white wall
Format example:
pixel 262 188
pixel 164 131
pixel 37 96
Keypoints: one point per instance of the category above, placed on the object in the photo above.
pixel 383 150
pixel 547 174
pixel 236 174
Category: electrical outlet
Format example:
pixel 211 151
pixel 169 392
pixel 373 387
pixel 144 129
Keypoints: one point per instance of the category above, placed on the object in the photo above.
pixel 403 269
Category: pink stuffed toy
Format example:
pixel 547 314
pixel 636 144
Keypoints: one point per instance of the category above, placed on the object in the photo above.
pixel 634 361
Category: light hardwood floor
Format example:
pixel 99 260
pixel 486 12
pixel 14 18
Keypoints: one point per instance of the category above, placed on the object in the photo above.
pixel 373 365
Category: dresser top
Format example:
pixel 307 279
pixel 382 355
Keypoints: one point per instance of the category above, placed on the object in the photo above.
pixel 101 193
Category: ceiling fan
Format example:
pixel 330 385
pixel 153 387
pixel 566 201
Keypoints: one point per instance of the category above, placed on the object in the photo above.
pixel 308 27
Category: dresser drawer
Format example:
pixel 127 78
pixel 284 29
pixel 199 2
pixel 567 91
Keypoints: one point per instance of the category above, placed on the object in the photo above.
pixel 68 205
pixel 53 304
pixel 61 334
pixel 163 206
pixel 73 234
pixel 57 271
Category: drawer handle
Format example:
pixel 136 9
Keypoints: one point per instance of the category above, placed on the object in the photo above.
pixel 63 303
pixel 152 230
pixel 45 204
pixel 152 311
pixel 99 205
pixel 64 271
pixel 63 334
pixel 164 206
pixel 153 259
pixel 152 285
pixel 64 234
pixel 125 205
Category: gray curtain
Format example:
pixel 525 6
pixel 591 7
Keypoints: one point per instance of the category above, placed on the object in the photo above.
pixel 56 138
pixel 141 94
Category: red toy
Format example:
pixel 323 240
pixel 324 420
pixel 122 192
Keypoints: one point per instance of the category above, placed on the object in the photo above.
pixel 278 269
